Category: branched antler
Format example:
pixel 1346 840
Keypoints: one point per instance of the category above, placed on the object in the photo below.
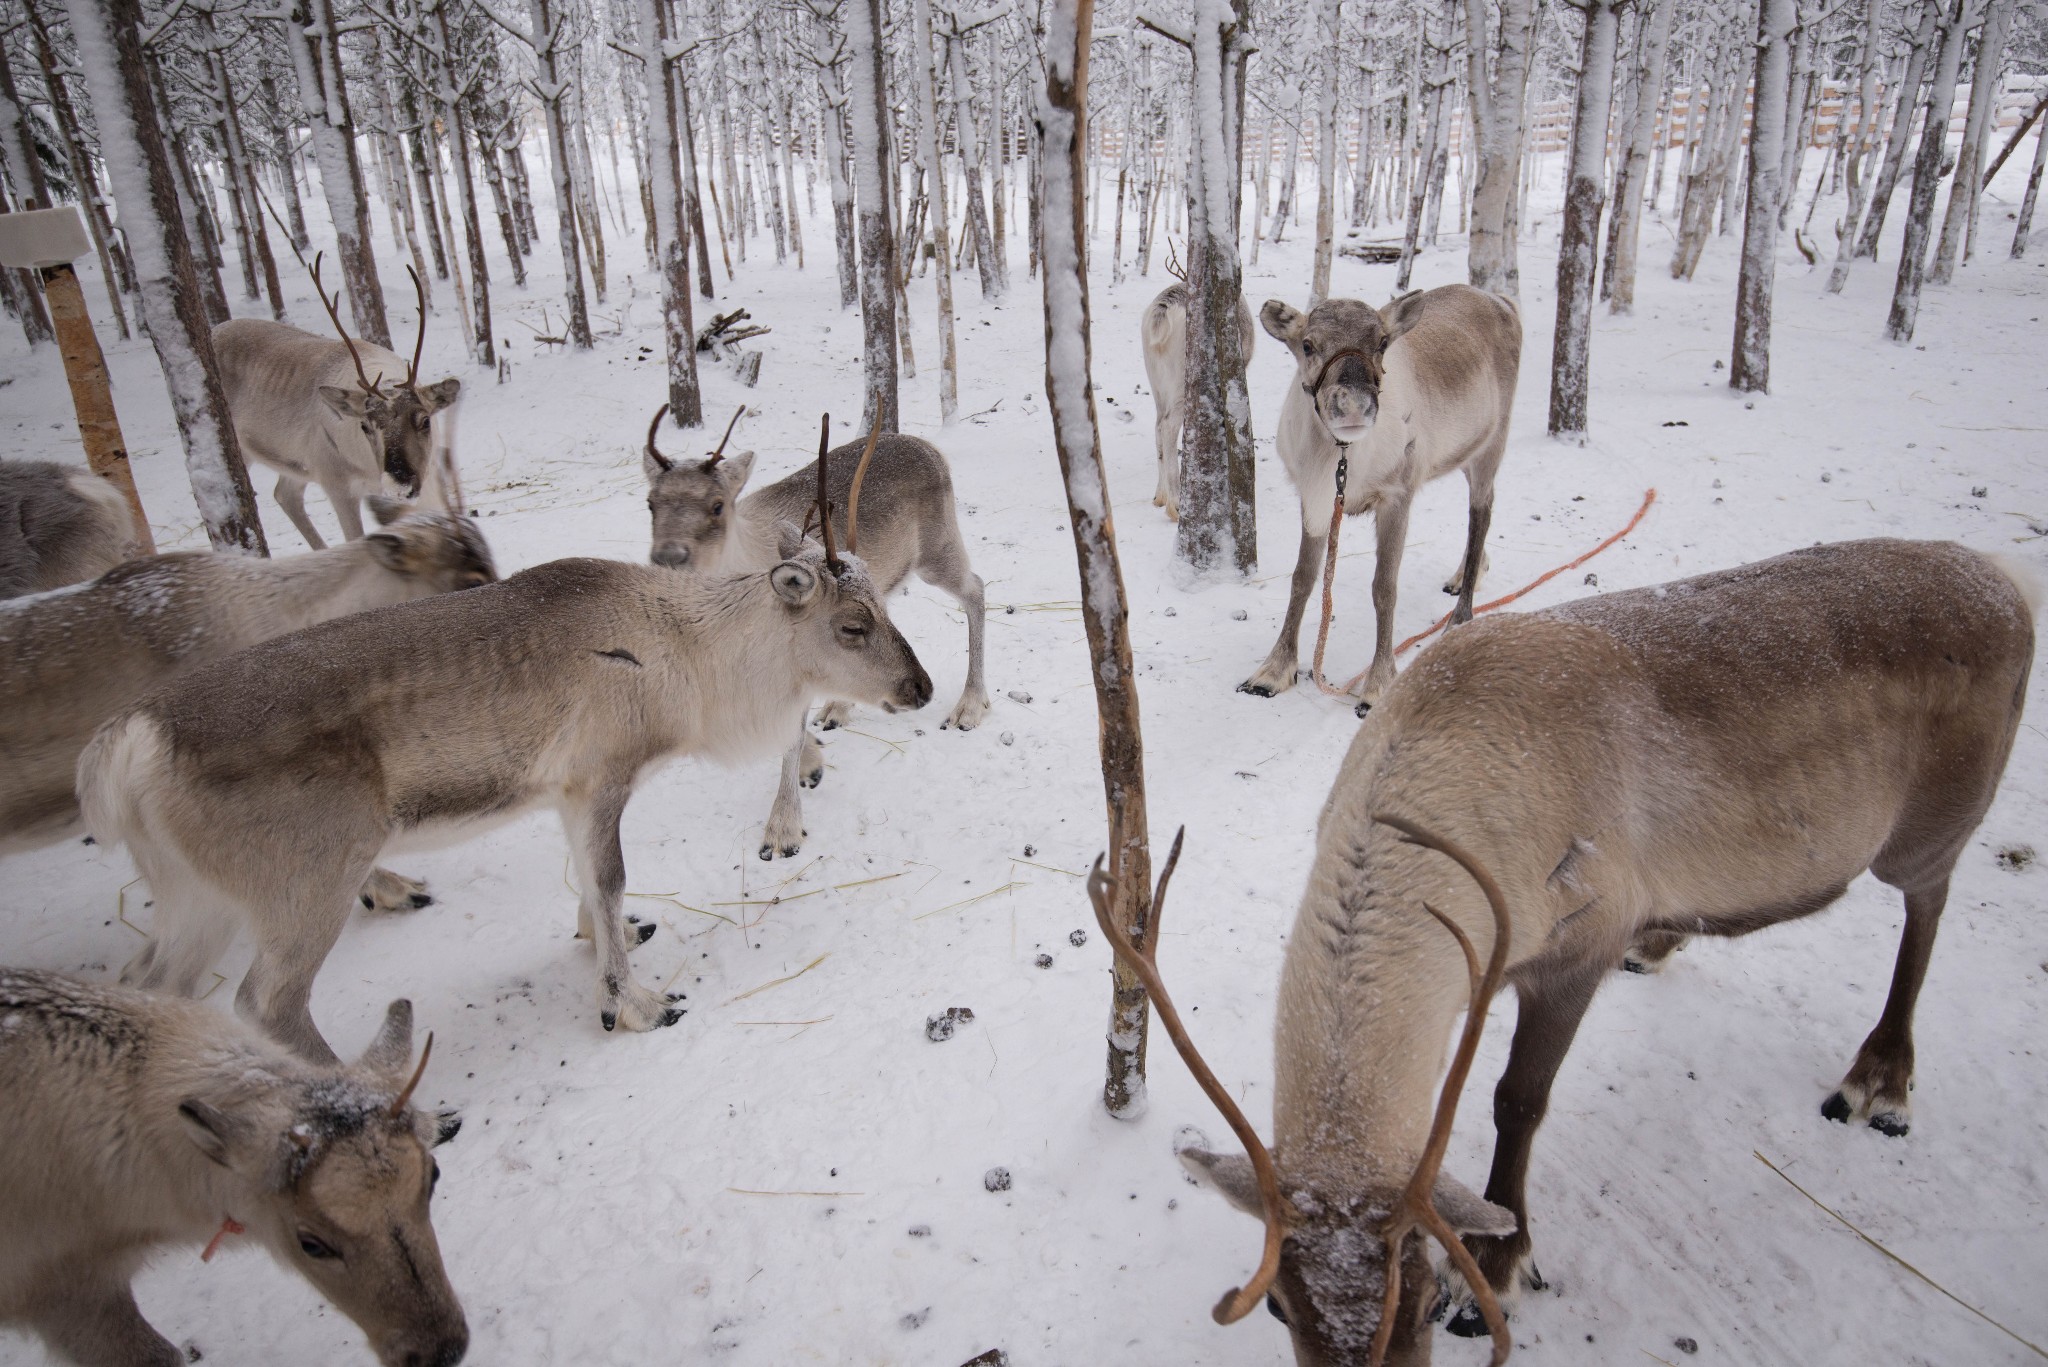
pixel 1237 1302
pixel 860 473
pixel 332 306
pixel 419 341
pixel 719 454
pixel 832 560
pixel 1174 267
pixel 1416 1208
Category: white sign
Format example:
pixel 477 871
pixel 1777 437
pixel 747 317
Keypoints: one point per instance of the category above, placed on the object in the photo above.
pixel 43 237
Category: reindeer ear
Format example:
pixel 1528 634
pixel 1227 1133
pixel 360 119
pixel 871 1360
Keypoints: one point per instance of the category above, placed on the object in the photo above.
pixel 389 550
pixel 653 466
pixel 789 539
pixel 1280 319
pixel 391 1050
pixel 212 1131
pixel 386 510
pixel 348 403
pixel 1228 1173
pixel 1466 1211
pixel 439 396
pixel 794 583
pixel 1399 316
pixel 733 470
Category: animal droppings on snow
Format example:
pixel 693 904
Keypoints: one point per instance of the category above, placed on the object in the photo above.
pixel 920 1231
pixel 1042 961
pixel 1239 616
pixel 1980 491
pixel 994 1357
pixel 940 1028
pixel 916 1318
pixel 996 1179
pixel 1685 1345
pixel 2015 858
pixel 1078 938
pixel 1018 695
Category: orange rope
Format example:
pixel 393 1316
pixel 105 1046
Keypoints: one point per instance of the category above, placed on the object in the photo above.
pixel 1649 497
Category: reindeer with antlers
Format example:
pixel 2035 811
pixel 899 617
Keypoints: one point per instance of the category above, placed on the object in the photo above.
pixel 1712 756
pixel 1163 332
pixel 262 787
pixel 318 411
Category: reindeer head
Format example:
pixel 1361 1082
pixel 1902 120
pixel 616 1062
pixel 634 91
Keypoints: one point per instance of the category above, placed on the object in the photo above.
pixel 693 503
pixel 1340 349
pixel 1345 1271
pixel 398 423
pixel 432 552
pixel 335 1182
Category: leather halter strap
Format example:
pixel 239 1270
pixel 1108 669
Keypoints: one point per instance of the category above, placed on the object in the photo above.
pixel 1372 363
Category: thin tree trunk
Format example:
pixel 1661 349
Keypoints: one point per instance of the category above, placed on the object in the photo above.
pixel 545 36
pixel 942 245
pixel 1968 186
pixel 994 280
pixel 672 251
pixel 1619 281
pixel 81 170
pixel 1749 370
pixel 1902 129
pixel 1579 245
pixel 1330 25
pixel 2026 220
pixel 1857 155
pixel 1941 95
pixel 482 346
pixel 868 101
pixel 1497 105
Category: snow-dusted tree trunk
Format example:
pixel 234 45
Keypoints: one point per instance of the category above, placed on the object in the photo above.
pixel 994 279
pixel 2026 219
pixel 108 34
pixel 112 276
pixel 1652 45
pixel 449 94
pixel 1498 89
pixel 1579 248
pixel 935 179
pixel 1330 33
pixel 547 35
pixel 832 114
pixel 1902 128
pixel 1070 395
pixel 1941 95
pixel 1967 188
pixel 1856 154
pixel 1749 370
pixel 671 248
pixel 25 174
pixel 241 168
pixel 315 50
pixel 867 107
pixel 693 202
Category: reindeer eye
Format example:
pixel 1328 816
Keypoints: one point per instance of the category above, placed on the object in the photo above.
pixel 718 508
pixel 313 1248
pixel 1273 1307
pixel 853 634
pixel 1308 348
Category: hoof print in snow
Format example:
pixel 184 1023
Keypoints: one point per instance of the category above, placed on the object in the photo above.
pixel 1018 695
pixel 1685 1346
pixel 1008 738
pixel 1980 491
pixel 994 1357
pixel 1030 850
pixel 1042 961
pixel 915 1319
pixel 940 1028
pixel 1078 938
pixel 2014 858
pixel 1240 615
pixel 996 1179
pixel 920 1231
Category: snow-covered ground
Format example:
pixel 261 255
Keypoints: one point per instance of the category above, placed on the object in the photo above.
pixel 794 1173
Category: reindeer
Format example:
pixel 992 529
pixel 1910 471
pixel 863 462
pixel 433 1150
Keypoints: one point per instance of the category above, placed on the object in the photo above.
pixel 1164 335
pixel 297 411
pixel 59 524
pixel 1712 757
pixel 72 659
pixel 1372 422
pixel 703 525
pixel 266 784
pixel 136 1123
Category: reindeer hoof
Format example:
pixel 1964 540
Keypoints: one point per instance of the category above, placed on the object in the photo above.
pixel 669 1017
pixel 678 996
pixel 610 1019
pixel 1631 964
pixel 643 931
pixel 1361 709
pixel 447 1124
pixel 832 723
pixel 789 850
pixel 813 778
pixel 767 852
pixel 1891 1124
pixel 369 902
pixel 1257 690
pixel 1836 1108
pixel 1467 1323
pixel 421 899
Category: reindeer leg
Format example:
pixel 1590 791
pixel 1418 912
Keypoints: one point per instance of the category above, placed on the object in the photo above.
pixel 1547 1017
pixel 291 496
pixel 1390 526
pixel 591 821
pixel 293 939
pixel 1166 434
pixel 1474 564
pixel 947 570
pixel 1277 674
pixel 348 509
pixel 384 890
pixel 1652 950
pixel 86 1316
pixel 1880 1082
pixel 784 833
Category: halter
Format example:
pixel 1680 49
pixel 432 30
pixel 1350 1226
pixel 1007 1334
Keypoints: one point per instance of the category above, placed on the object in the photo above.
pixel 1375 367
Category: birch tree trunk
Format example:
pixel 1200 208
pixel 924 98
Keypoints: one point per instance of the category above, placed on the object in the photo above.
pixel 1902 128
pixel 1498 90
pixel 671 249
pixel 994 279
pixel 1857 155
pixel 451 99
pixel 1330 29
pixel 25 173
pixel 1967 188
pixel 2026 220
pixel 109 39
pixel 942 245
pixel 546 34
pixel 693 202
pixel 1941 95
pixel 1070 395
pixel 1578 249
pixel 316 59
pixel 832 114
pixel 1619 283
pixel 1749 370
pixel 867 97
pixel 66 117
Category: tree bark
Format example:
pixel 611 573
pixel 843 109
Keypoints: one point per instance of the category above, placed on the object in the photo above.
pixel 994 280
pixel 1941 94
pixel 1749 370
pixel 1571 343
pixel 1857 155
pixel 2026 220
pixel 1497 97
pixel 1968 186
pixel 1902 129
pixel 867 97
pixel 552 91
pixel 1619 282
pixel 1330 27
pixel 672 250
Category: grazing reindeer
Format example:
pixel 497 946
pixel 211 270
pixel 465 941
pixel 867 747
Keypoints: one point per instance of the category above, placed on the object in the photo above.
pixel 136 1123
pixel 1712 757
pixel 59 524
pixel 70 660
pixel 1164 334
pixel 267 783
pixel 1397 416
pixel 702 524
pixel 316 411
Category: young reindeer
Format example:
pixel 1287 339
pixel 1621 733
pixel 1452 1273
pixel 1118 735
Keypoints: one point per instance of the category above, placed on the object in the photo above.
pixel 265 785
pixel 59 524
pixel 70 660
pixel 317 412
pixel 1713 757
pixel 1163 333
pixel 137 1123
pixel 1396 397
pixel 703 525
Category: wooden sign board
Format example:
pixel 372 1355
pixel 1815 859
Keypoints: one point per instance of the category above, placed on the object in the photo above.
pixel 43 237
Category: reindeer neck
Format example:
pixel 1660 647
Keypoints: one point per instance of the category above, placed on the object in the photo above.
pixel 728 638
pixel 302 590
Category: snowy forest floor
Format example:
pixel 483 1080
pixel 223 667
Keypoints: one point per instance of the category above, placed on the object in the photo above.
pixel 793 1174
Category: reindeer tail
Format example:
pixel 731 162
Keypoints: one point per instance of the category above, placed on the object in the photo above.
pixel 121 757
pixel 2023 578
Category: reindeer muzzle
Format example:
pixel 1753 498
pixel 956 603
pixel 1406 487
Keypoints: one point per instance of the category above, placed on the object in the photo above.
pixel 913 692
pixel 671 557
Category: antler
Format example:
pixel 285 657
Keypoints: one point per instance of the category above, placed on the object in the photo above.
pixel 370 386
pixel 419 341
pixel 832 560
pixel 1173 265
pixel 1416 1208
pixel 398 1104
pixel 1237 1302
pixel 719 454
pixel 860 472
pixel 653 453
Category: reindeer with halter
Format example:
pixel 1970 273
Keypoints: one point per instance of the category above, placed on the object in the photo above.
pixel 318 411
pixel 261 788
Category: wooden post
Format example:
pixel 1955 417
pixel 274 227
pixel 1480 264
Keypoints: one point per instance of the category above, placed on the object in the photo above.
pixel 48 240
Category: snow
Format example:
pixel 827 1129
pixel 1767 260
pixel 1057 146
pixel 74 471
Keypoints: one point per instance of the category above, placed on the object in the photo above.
pixel 743 1187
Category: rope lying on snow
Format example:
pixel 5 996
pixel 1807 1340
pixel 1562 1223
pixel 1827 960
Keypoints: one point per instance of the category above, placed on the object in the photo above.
pixel 1329 574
